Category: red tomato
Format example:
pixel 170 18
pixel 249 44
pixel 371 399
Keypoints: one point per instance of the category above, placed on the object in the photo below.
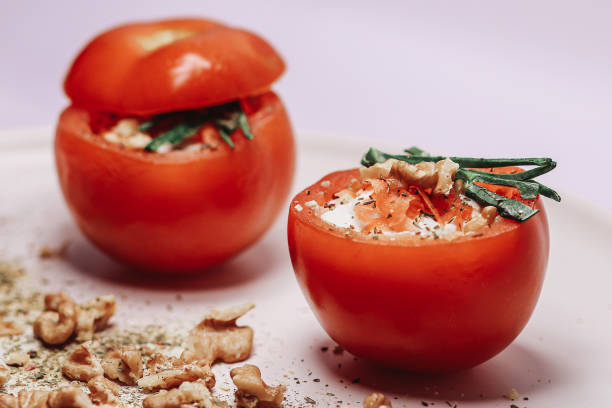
pixel 181 211
pixel 148 68
pixel 419 304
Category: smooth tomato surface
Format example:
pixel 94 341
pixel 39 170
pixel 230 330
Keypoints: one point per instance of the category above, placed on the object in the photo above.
pixel 420 305
pixel 180 211
pixel 152 67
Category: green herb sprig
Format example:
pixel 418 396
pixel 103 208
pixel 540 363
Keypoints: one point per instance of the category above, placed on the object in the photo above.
pixel 507 207
pixel 226 118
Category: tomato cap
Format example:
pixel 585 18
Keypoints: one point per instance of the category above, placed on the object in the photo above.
pixel 153 67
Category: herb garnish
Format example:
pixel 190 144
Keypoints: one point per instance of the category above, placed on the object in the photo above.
pixel 226 118
pixel 507 207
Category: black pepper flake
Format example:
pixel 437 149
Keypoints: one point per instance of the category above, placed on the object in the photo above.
pixel 307 192
pixel 356 380
pixel 423 403
pixel 338 350
pixel 324 349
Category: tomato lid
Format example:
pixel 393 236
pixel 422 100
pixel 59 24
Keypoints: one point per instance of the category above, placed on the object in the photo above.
pixel 152 67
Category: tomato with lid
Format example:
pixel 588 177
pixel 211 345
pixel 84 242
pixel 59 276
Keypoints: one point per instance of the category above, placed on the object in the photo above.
pixel 174 154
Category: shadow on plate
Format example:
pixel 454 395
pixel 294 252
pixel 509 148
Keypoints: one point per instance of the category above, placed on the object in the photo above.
pixel 517 367
pixel 251 264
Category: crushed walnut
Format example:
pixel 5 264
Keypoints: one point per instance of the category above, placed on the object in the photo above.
pixel 188 394
pixel 439 176
pixel 82 364
pixel 126 133
pixel 252 390
pixel 174 377
pixel 376 400
pixel 17 359
pixel 218 337
pixel 124 365
pixel 478 221
pixel 63 318
pixel 8 328
pixel 4 373
pixel 103 391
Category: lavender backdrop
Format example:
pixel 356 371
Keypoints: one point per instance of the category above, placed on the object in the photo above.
pixel 470 77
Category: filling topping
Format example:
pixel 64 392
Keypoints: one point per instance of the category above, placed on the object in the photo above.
pixel 190 130
pixel 433 196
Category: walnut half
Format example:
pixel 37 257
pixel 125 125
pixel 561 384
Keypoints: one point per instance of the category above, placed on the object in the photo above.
pixel 253 391
pixel 103 391
pixel 69 397
pixel 218 337
pixel 124 365
pixel 174 377
pixel 56 325
pixel 82 364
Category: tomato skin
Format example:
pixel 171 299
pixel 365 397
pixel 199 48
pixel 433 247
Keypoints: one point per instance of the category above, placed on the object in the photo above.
pixel 207 64
pixel 425 306
pixel 179 212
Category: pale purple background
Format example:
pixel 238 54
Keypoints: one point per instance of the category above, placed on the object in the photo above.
pixel 465 77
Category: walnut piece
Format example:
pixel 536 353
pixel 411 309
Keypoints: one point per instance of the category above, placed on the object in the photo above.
pixel 62 318
pixel 124 365
pixel 103 391
pixel 218 338
pixel 252 391
pixel 94 316
pixel 9 329
pixel 189 394
pixel 33 398
pixel 82 364
pixel 8 401
pixel 55 326
pixel 439 176
pixel 5 373
pixel 376 400
pixel 174 377
pixel 478 221
pixel 17 359
pixel 69 397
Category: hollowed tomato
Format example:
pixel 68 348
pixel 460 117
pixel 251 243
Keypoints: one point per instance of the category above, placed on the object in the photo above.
pixel 426 305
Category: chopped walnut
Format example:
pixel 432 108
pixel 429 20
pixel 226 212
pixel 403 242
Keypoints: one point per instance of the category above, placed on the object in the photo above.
pixel 438 176
pixel 161 362
pixel 126 133
pixel 9 328
pixel 486 217
pixel 63 318
pixel 69 397
pixel 124 365
pixel 82 364
pixel 4 373
pixel 174 377
pixel 56 325
pixel 94 315
pixel 218 338
pixel 46 252
pixel 376 400
pixel 187 395
pixel 33 398
pixel 252 391
pixel 17 359
pixel 103 391
pixel 8 401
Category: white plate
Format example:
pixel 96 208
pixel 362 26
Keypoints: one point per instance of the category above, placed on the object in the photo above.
pixel 562 359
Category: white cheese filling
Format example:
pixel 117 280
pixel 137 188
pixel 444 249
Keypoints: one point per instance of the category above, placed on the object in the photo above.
pixel 340 212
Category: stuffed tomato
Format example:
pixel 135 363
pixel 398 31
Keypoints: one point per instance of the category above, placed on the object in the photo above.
pixel 174 154
pixel 421 263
